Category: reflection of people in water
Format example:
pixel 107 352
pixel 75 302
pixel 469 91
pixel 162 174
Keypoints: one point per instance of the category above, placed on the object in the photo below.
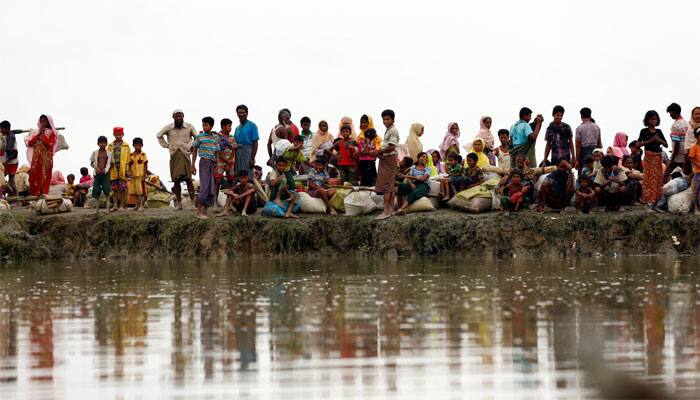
pixel 41 337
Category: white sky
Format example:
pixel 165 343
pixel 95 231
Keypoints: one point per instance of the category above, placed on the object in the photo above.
pixel 93 65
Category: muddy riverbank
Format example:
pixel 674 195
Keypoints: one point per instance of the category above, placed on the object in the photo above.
pixel 168 234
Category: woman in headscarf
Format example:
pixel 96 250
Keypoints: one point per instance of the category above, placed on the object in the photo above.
pixel 435 162
pixel 322 136
pixel 620 142
pixel 367 123
pixel 486 135
pixel 617 153
pixel 450 143
pixel 694 123
pixel 413 143
pixel 478 148
pixel 41 146
pixel 347 121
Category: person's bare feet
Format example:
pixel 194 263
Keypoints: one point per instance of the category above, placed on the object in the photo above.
pixel 382 216
pixel 201 216
pixel 332 211
pixel 290 215
pixel 113 209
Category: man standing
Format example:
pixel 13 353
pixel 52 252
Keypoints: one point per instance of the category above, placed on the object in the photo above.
pixel 246 136
pixel 560 139
pixel 587 137
pixel 523 137
pixel 678 131
pixel 180 135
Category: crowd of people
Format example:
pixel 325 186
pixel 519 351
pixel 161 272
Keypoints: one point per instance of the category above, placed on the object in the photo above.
pixel 576 169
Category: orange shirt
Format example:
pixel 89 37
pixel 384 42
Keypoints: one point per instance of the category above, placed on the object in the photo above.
pixel 694 155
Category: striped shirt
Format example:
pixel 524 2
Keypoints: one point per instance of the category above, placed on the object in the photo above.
pixel 207 145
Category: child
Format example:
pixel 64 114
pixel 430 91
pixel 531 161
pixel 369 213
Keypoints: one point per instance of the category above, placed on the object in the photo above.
pixel 317 178
pixel 22 181
pixel 101 162
pixel 279 189
pixel 242 196
pixel 386 173
pixel 610 184
pixel 117 174
pixel 652 139
pixel 454 172
pixel 585 195
pixel 513 193
pixel 694 157
pixel 346 149
pixel 471 174
pixel 634 180
pixel 307 136
pixel 404 166
pixel 138 165
pixel 207 146
pixel 368 149
pixel 294 156
pixel 69 192
pixel 84 184
pixel 226 157
pixel 636 152
pixel 9 154
pixel 588 169
pixel 502 153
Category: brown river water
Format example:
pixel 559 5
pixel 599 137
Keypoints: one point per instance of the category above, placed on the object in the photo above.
pixel 261 328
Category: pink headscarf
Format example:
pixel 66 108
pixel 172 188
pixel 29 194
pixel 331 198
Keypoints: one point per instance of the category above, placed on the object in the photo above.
pixel 34 133
pixel 620 142
pixel 484 132
pixel 449 140
pixel 617 152
pixel 57 178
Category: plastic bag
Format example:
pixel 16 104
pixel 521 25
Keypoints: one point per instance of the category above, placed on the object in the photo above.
pixel 273 209
pixel 338 199
pixel 681 203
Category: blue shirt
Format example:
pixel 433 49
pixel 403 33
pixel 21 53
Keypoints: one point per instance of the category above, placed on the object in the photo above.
pixel 246 134
pixel 520 132
pixel 414 171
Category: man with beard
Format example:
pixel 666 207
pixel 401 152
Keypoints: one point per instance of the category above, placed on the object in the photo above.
pixel 180 135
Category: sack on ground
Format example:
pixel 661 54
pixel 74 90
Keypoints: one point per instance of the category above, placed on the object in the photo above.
pixel 273 209
pixel 676 185
pixel 474 205
pixel 311 205
pixel 359 203
pixel 483 190
pixel 681 203
pixel 338 199
pixel 435 188
pixel 157 198
pixel 221 199
pixel 4 205
pixel 53 206
pixel 421 205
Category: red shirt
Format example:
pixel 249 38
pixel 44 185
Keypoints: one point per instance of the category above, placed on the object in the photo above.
pixel 347 157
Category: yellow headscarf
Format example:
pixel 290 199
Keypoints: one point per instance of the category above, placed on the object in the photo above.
pixel 370 125
pixel 413 144
pixel 483 159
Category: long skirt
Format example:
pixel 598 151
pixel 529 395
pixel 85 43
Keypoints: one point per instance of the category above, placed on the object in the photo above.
pixel 243 156
pixel 368 173
pixel 652 185
pixel 207 185
pixel 422 189
pixel 180 167
pixel 40 171
pixel 526 150
pixel 386 176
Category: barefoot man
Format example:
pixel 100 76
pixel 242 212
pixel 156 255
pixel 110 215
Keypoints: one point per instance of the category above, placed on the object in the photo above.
pixel 179 142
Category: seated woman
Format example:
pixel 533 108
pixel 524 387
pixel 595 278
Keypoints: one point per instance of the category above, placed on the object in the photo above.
pixel 415 185
pixel 610 185
pixel 557 189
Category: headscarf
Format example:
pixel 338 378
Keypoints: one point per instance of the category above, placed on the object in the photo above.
pixel 485 133
pixel 370 125
pixel 57 178
pixel 23 169
pixel 437 169
pixel 51 130
pixel 413 144
pixel 318 139
pixel 449 140
pixel 483 159
pixel 347 121
pixel 620 142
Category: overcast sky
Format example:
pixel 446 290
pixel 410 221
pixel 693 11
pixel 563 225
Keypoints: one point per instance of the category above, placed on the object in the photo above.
pixel 93 65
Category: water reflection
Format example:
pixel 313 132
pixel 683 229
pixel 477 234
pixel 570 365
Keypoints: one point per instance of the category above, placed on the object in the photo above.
pixel 508 328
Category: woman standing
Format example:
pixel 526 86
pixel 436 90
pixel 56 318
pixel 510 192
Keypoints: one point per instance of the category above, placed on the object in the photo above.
pixel 413 143
pixel 652 139
pixel 41 145
pixel 450 143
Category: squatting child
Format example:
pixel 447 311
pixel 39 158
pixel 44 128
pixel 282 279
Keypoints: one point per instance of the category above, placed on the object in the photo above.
pixel 318 177
pixel 279 189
